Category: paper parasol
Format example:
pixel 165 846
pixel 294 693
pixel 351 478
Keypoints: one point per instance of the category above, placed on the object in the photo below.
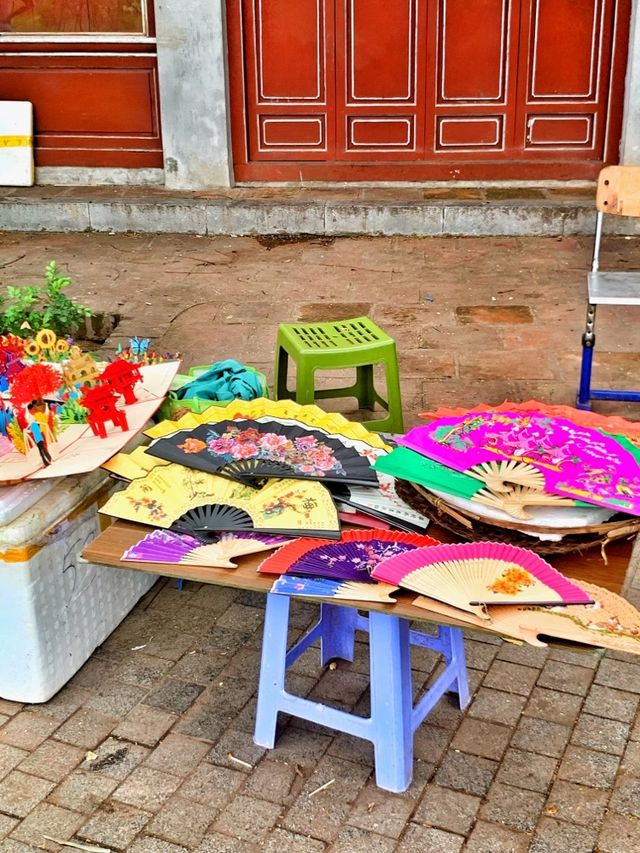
pixel 193 501
pixel 352 558
pixel 610 622
pixel 253 450
pixel 574 461
pixel 165 546
pixel 324 588
pixel 471 575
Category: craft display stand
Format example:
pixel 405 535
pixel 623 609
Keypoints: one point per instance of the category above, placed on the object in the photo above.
pixel 394 718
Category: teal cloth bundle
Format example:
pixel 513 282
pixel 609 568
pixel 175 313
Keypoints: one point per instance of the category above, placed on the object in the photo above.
pixel 224 380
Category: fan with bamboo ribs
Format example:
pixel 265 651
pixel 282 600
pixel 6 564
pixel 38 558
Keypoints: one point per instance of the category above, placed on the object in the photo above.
pixel 192 501
pixel 251 450
pixel 506 449
pixel 473 575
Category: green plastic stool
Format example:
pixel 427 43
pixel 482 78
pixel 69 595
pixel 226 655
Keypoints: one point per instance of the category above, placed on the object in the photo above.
pixel 355 343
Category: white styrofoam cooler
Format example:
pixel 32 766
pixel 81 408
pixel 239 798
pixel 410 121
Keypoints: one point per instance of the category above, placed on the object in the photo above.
pixel 16 144
pixel 54 609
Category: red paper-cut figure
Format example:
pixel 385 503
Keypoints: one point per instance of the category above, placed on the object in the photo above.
pixel 101 403
pixel 122 376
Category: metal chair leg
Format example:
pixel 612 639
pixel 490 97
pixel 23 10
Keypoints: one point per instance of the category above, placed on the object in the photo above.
pixel 588 343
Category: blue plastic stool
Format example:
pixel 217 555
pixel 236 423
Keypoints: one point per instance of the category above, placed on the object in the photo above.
pixel 394 718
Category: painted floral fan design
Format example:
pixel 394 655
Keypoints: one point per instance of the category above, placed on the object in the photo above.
pixel 192 501
pixel 537 451
pixel 250 450
pixel 310 587
pixel 472 575
pixel 353 558
pixel 610 622
pixel 167 546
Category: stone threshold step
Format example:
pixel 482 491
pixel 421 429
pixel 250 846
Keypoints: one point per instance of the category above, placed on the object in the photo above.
pixel 246 211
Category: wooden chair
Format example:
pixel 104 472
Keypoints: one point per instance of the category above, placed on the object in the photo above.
pixel 618 195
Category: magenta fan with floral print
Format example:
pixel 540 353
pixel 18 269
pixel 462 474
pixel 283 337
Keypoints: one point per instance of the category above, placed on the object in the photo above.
pixel 250 450
pixel 534 450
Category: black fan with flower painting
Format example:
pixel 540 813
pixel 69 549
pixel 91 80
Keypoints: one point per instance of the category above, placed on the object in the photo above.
pixel 249 450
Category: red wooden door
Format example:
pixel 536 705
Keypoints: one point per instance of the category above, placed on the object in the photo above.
pixel 425 89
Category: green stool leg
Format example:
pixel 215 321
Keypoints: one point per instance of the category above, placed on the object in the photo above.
pixel 365 392
pixel 396 421
pixel 280 371
pixel 305 391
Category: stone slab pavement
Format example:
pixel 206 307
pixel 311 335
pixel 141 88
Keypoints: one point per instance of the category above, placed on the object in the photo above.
pixel 148 748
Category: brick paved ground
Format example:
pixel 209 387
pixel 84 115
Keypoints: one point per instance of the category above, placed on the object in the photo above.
pixel 148 749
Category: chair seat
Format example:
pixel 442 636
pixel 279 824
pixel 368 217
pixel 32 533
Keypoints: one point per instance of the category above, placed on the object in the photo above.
pixel 614 288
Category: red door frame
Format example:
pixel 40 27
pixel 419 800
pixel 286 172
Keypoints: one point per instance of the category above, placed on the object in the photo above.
pixel 539 164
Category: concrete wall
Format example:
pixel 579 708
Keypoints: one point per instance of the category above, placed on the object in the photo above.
pixel 193 93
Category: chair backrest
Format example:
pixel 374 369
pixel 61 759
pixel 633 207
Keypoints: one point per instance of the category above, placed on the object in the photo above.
pixel 619 190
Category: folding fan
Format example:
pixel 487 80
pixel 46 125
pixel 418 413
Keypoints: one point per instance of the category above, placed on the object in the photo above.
pixel 165 546
pixel 471 575
pixel 574 461
pixel 382 503
pixel 310 415
pixel 610 622
pixel 352 558
pixel 193 501
pixel 613 424
pixel 412 466
pixel 252 450
pixel 325 588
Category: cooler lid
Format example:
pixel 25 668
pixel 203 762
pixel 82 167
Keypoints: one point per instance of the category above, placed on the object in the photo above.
pixel 16 499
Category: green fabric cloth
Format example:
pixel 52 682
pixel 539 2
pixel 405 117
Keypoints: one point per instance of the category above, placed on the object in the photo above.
pixel 224 380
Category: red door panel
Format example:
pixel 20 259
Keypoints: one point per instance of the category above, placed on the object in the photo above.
pixel 288 81
pixel 425 89
pixel 565 82
pixel 380 70
pixel 473 83
pixel 95 110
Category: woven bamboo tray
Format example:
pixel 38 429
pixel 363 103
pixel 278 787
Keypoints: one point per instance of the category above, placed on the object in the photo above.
pixel 471 527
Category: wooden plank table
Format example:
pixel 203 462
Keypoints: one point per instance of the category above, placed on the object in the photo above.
pixel 111 544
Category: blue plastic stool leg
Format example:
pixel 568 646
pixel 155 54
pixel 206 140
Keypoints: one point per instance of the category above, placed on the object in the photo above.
pixel 391 701
pixel 272 669
pixel 338 632
pixel 454 642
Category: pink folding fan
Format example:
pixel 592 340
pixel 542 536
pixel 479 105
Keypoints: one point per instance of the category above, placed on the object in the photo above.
pixel 471 575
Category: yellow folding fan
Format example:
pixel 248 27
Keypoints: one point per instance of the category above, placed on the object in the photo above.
pixel 193 501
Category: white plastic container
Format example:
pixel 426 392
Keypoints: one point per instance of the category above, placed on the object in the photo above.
pixel 16 144
pixel 55 610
